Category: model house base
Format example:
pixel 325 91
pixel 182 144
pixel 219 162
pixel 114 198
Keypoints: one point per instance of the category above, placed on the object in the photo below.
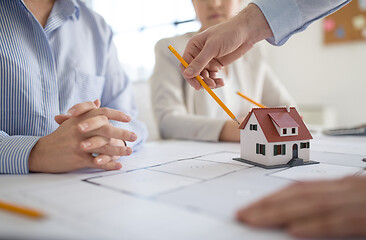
pixel 291 163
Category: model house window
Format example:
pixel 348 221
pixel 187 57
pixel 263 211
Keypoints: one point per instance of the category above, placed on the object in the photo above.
pixel 279 149
pixel 293 131
pixel 305 145
pixel 253 127
pixel 260 149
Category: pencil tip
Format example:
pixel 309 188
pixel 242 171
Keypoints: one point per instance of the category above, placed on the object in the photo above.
pixel 236 120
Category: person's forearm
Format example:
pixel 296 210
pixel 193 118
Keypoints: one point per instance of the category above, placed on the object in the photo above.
pixel 190 127
pixel 230 132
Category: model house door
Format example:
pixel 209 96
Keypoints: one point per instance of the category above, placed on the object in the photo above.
pixel 295 151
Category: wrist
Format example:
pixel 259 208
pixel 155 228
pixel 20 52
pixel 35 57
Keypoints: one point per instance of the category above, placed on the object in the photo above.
pixel 230 132
pixel 35 158
pixel 254 23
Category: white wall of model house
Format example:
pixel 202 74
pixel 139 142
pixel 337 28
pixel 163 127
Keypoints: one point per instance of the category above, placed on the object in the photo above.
pixel 250 138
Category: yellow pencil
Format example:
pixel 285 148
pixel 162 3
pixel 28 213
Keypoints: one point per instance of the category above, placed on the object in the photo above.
pixel 21 210
pixel 204 85
pixel 251 100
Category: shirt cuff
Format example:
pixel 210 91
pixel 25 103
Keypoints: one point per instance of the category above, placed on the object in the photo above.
pixel 211 130
pixel 283 17
pixel 15 152
pixel 138 128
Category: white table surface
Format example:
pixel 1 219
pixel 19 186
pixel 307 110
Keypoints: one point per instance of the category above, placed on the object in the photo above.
pixel 167 190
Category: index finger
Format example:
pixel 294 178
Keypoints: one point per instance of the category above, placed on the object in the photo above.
pixel 113 114
pixel 83 107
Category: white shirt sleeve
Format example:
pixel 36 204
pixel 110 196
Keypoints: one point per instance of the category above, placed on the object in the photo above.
pixel 287 17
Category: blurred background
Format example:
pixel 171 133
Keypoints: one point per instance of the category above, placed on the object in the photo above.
pixel 324 68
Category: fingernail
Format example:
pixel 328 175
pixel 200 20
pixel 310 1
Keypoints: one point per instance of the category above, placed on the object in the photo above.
pixel 100 160
pixel 258 217
pixel 127 118
pixel 189 71
pixel 71 111
pixel 299 231
pixel 247 214
pixel 239 216
pixel 83 126
pixel 86 145
pixel 128 151
pixel 133 137
pixel 117 166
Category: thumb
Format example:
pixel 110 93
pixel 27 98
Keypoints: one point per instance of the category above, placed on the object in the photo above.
pixel 198 63
pixel 61 118
pixel 97 103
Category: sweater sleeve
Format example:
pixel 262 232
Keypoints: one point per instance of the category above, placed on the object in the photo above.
pixel 169 101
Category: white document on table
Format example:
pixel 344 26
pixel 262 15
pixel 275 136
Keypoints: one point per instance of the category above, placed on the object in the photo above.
pixel 340 144
pixel 198 169
pixel 223 157
pixel 144 182
pixel 319 171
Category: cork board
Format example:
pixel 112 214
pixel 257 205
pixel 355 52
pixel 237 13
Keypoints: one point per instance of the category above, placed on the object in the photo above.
pixel 346 25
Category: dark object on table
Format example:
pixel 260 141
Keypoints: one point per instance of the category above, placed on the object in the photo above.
pixel 359 130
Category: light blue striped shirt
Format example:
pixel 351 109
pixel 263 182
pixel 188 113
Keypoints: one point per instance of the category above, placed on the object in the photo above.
pixel 287 17
pixel 45 71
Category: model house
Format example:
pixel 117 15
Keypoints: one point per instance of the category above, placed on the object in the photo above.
pixel 274 137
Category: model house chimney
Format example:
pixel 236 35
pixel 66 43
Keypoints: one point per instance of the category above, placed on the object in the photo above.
pixel 288 108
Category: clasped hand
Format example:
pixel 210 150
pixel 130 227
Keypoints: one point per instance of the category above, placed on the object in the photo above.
pixel 85 138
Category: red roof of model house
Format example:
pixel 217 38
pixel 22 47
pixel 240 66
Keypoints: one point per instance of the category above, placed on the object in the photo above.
pixel 268 117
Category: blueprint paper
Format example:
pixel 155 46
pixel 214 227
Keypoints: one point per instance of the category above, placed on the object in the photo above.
pixel 317 172
pixel 336 144
pixel 338 158
pixel 145 183
pixel 223 157
pixel 223 196
pixel 198 169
